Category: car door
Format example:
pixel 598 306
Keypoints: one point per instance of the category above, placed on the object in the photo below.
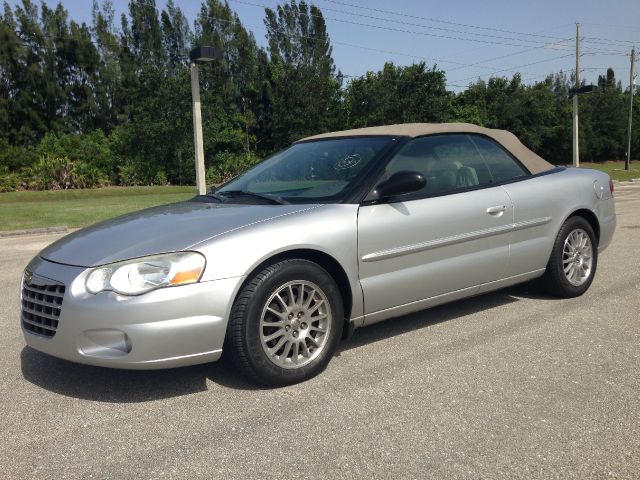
pixel 535 200
pixel 451 236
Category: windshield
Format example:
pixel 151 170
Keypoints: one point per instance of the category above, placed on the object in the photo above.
pixel 319 171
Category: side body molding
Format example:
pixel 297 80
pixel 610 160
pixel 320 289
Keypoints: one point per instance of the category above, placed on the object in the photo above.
pixel 454 239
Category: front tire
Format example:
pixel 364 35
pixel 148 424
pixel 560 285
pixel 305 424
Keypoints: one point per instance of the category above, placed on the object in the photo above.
pixel 573 260
pixel 286 323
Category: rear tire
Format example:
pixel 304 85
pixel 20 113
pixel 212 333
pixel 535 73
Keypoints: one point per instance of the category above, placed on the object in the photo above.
pixel 573 261
pixel 286 323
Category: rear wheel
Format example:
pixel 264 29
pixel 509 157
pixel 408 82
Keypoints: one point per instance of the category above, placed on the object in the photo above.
pixel 573 260
pixel 286 323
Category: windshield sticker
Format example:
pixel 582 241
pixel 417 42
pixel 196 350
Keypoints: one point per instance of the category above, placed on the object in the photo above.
pixel 349 161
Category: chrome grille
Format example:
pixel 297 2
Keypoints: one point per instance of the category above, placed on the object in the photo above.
pixel 41 304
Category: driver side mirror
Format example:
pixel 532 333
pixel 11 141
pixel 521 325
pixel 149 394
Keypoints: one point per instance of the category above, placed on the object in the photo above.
pixel 398 184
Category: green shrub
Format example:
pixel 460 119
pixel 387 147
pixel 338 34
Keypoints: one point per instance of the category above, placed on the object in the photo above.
pixel 61 173
pixel 92 150
pixel 15 158
pixel 10 181
pixel 129 176
pixel 160 178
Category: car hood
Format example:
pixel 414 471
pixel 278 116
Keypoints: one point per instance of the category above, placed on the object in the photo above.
pixel 167 228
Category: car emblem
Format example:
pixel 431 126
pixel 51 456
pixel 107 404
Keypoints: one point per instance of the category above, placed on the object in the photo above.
pixel 28 277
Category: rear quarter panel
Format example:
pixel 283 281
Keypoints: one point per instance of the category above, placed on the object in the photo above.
pixel 555 197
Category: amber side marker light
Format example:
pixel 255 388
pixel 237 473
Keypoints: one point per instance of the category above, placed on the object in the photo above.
pixel 190 276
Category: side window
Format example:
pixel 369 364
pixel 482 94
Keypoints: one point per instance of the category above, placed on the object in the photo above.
pixel 501 165
pixel 448 162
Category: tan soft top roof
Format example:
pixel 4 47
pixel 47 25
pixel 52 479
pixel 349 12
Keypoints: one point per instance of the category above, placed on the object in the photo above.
pixel 533 162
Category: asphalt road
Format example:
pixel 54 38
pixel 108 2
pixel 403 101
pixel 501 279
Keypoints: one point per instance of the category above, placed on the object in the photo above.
pixel 508 385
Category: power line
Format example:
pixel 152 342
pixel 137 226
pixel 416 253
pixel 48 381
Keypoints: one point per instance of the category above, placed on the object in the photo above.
pixel 401 30
pixel 608 41
pixel 512 54
pixel 632 27
pixel 438 20
pixel 465 25
pixel 510 69
pixel 500 37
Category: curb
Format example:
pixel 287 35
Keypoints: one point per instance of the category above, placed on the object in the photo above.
pixel 34 231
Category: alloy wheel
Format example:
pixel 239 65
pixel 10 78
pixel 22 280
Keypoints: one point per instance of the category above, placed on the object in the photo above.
pixel 295 323
pixel 577 257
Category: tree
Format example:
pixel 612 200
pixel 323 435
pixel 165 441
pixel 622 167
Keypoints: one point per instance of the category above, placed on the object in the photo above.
pixel 414 93
pixel 304 88
pixel 108 81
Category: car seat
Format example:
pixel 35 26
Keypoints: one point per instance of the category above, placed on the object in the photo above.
pixel 467 177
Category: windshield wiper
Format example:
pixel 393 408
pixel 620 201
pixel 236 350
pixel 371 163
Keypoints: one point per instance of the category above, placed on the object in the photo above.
pixel 216 195
pixel 264 196
pixel 210 197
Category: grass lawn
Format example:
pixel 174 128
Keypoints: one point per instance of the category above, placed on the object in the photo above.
pixel 77 208
pixel 616 169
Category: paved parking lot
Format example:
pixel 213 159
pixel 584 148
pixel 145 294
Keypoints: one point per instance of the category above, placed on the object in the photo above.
pixel 508 385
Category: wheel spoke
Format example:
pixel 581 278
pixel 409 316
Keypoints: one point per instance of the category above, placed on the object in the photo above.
pixel 277 313
pixel 310 298
pixel 576 273
pixel 287 349
pixel 273 350
pixel 316 306
pixel 278 324
pixel 305 350
pixel 581 241
pixel 292 298
pixel 317 329
pixel 282 302
pixel 274 335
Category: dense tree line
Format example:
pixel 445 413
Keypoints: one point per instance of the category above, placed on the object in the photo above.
pixel 110 102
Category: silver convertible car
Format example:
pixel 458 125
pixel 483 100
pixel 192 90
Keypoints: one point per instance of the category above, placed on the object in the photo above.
pixel 339 231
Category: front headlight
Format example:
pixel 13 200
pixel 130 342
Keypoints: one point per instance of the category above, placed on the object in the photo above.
pixel 141 275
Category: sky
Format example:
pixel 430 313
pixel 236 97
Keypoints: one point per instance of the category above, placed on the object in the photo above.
pixel 466 38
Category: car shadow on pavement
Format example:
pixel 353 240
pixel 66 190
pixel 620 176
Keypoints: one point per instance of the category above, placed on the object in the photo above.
pixel 426 318
pixel 443 313
pixel 133 386
pixel 125 386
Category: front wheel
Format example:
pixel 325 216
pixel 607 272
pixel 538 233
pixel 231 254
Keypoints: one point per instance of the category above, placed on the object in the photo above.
pixel 286 323
pixel 573 260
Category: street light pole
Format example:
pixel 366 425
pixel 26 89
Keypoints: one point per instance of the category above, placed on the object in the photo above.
pixel 198 55
pixel 576 145
pixel 632 84
pixel 201 183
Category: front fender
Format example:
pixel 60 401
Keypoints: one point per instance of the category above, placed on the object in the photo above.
pixel 330 229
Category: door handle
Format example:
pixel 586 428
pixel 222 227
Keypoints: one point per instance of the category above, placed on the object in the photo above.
pixel 496 210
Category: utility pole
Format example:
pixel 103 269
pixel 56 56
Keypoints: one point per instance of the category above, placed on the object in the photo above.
pixel 632 81
pixel 576 153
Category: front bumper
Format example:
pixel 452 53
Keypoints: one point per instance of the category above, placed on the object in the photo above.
pixel 165 328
